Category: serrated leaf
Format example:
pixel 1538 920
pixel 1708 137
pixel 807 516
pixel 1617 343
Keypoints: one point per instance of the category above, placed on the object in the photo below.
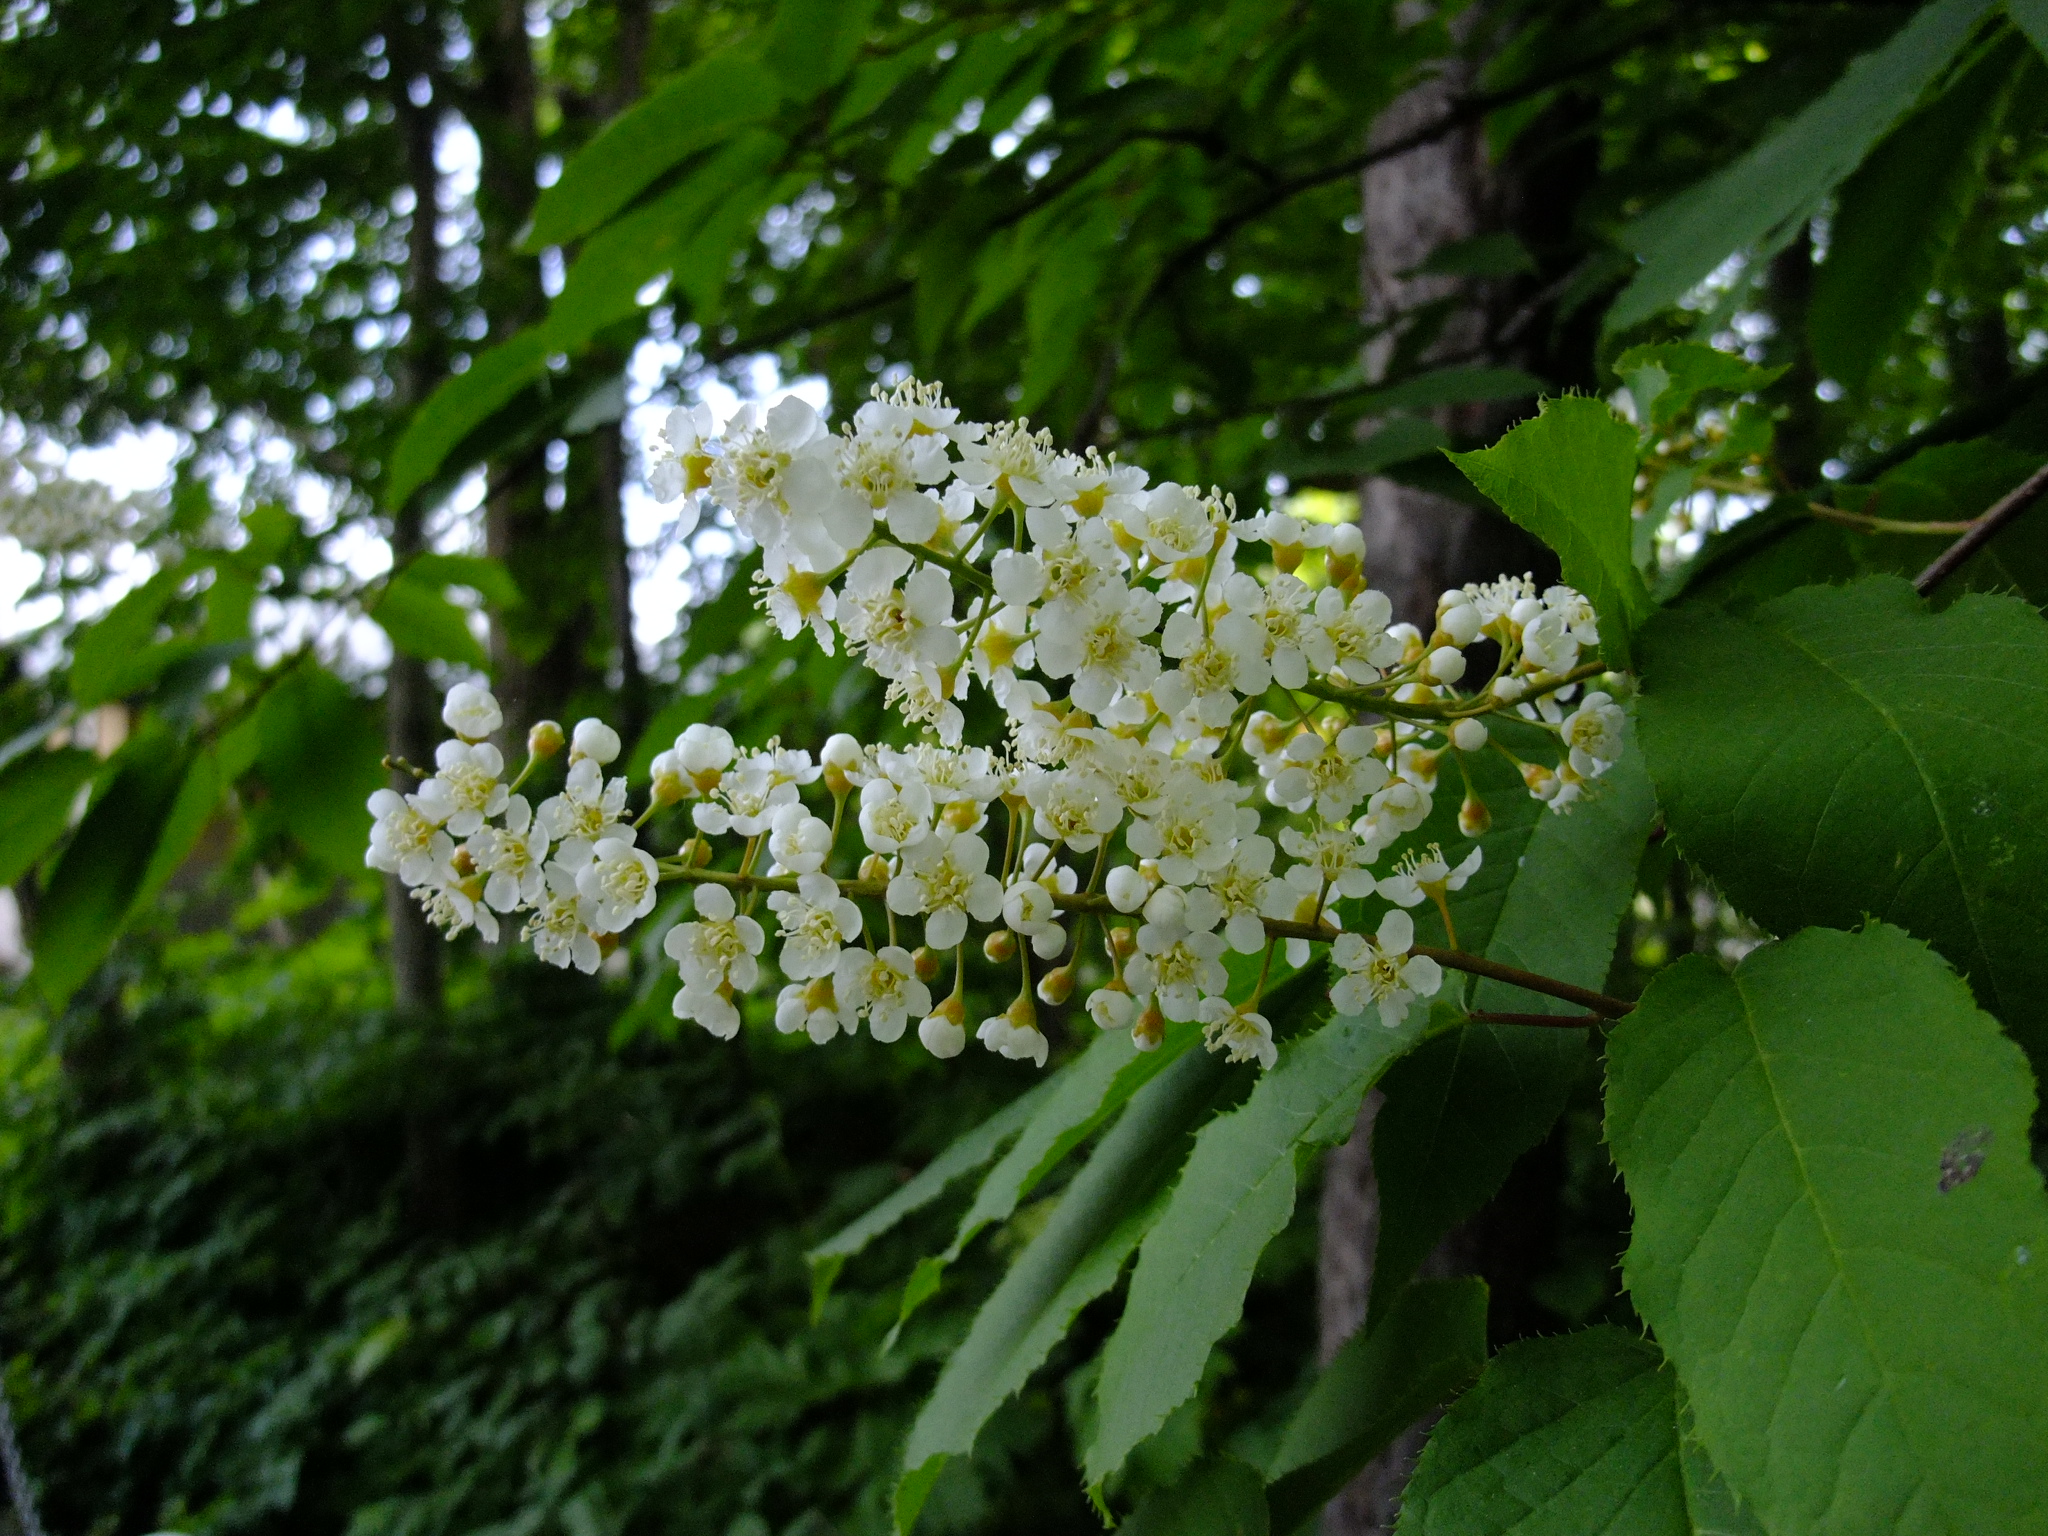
pixel 1837 1227
pixel 319 751
pixel 1843 752
pixel 1086 1093
pixel 1463 1106
pixel 1880 266
pixel 37 791
pixel 681 116
pixel 1075 1258
pixel 1430 1345
pixel 1235 1195
pixel 962 1156
pixel 1568 476
pixel 1753 203
pixel 1709 1501
pixel 1569 1436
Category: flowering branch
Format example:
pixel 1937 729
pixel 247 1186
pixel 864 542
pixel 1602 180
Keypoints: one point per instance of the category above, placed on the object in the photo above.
pixel 1129 634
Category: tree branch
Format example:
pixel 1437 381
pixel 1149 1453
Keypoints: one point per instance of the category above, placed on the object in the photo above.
pixel 1986 527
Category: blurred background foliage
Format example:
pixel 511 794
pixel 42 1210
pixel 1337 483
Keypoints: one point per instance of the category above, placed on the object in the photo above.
pixel 313 1226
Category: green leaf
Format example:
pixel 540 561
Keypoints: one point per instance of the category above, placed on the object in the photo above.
pixel 1665 378
pixel 1464 1105
pixel 458 407
pixel 2031 17
pixel 1709 1501
pixel 1570 1436
pixel 1430 1345
pixel 1880 265
pixel 1568 476
pixel 1075 1258
pixel 319 752
pixel 199 795
pixel 1085 1094
pixel 680 117
pixel 1217 1497
pixel 92 890
pixel 1235 1196
pixel 1756 202
pixel 964 1155
pixel 1837 1227
pixel 37 791
pixel 487 577
pixel 422 622
pixel 1452 386
pixel 118 652
pixel 813 43
pixel 1060 304
pixel 1843 752
pixel 1951 482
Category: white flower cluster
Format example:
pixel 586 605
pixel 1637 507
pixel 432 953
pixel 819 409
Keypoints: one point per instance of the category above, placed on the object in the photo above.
pixel 1207 749
pixel 50 513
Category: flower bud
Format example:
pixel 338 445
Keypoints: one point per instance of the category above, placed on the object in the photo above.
pixel 1126 888
pixel 962 815
pixel 545 739
pixel 1468 735
pixel 1000 945
pixel 1541 781
pixel 1473 817
pixel 1344 559
pixel 840 757
pixel 944 1030
pixel 1111 1006
pixel 1055 987
pixel 1446 664
pixel 463 864
pixel 874 870
pixel 926 962
pixel 668 784
pixel 595 740
pixel 702 854
pixel 470 712
pixel 1123 942
pixel 1150 1030
pixel 1022 1012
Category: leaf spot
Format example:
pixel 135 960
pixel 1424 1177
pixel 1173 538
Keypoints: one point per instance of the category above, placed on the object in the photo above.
pixel 1961 1159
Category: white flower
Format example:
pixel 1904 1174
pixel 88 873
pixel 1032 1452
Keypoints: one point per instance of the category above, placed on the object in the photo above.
pixel 1401 806
pixel 894 816
pixel 1080 561
pixel 1218 665
pixel 797 840
pixel 1548 644
pixel 557 931
pixel 945 877
pixel 900 628
pixel 1011 461
pixel 1428 874
pixel 944 1036
pixel 1019 577
pixel 747 799
pixel 815 921
pixel 1179 959
pixel 1106 649
pixel 795 595
pixel 1357 633
pixel 884 986
pixel 1332 776
pixel 595 740
pixel 619 883
pixel 719 949
pixel 1380 970
pixel 464 790
pixel 1031 907
pixel 703 752
pixel 814 1008
pixel 1002 647
pixel 1189 828
pixel 1335 853
pixel 512 857
pixel 1284 614
pixel 768 472
pixel 1245 888
pixel 1112 1006
pixel 453 903
pixel 401 840
pixel 1072 806
pixel 1172 522
pixel 1013 1041
pixel 1593 734
pixel 1245 1035
pixel 711 1007
pixel 470 712
pixel 1576 612
pixel 586 810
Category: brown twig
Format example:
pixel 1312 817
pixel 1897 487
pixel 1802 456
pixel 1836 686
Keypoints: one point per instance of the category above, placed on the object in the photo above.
pixel 1593 1002
pixel 1542 1020
pixel 1864 522
pixel 2003 511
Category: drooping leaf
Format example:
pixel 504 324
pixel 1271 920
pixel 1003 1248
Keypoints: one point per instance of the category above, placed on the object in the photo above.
pixel 1216 1497
pixel 1429 1346
pixel 1880 265
pixel 37 791
pixel 1753 203
pixel 963 1156
pixel 1075 1258
pixel 319 753
pixel 1078 1101
pixel 1836 1234
pixel 1464 1105
pixel 1568 476
pixel 92 890
pixel 1235 1195
pixel 813 43
pixel 1843 752
pixel 119 652
pixel 416 613
pixel 458 407
pixel 1569 1436
pixel 680 117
